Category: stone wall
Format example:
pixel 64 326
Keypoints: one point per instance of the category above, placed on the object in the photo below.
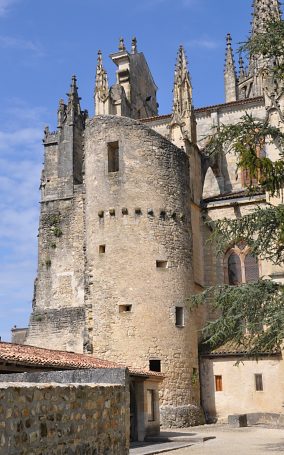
pixel 49 419
pixel 58 308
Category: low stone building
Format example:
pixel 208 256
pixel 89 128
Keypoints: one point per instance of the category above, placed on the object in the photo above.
pixel 140 400
pixel 232 383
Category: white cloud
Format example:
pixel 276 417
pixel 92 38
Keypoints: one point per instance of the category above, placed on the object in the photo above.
pixel 5 6
pixel 21 155
pixel 23 136
pixel 11 42
pixel 203 42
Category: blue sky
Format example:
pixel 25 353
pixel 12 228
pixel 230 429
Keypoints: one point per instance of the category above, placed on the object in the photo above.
pixel 41 45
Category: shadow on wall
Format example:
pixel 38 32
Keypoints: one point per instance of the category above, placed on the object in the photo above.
pixel 207 386
pixel 216 178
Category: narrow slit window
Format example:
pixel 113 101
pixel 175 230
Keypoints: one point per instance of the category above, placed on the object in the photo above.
pixel 162 264
pixel 258 382
pixel 113 156
pixel 155 365
pixel 179 316
pixel 102 249
pixel 218 383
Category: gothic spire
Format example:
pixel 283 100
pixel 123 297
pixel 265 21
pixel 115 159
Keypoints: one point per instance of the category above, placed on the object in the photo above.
pixel 183 125
pixel 264 11
pixel 73 105
pixel 229 60
pixel 182 85
pixel 242 68
pixel 230 72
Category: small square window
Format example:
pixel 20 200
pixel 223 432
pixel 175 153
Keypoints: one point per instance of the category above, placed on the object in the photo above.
pixel 138 211
pixel 179 316
pixel 162 264
pixel 113 156
pixel 258 382
pixel 155 365
pixel 102 249
pixel 218 383
pixel 125 308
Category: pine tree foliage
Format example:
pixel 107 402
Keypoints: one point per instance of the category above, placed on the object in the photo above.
pixel 247 139
pixel 262 230
pixel 251 315
pixel 269 44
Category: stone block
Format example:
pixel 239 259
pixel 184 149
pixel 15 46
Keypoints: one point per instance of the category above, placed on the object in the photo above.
pixel 238 420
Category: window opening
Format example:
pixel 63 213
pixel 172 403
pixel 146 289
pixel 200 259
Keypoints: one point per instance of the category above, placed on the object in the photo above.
pixel 125 308
pixel 155 365
pixel 258 382
pixel 234 269
pixel 251 269
pixel 113 156
pixel 162 264
pixel 179 316
pixel 218 383
pixel 102 249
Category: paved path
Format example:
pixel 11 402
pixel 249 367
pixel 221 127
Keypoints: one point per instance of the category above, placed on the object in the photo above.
pixel 255 440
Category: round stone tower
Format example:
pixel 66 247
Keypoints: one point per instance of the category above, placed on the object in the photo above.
pixel 139 258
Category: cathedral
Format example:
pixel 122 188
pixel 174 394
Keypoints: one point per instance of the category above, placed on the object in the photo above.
pixel 123 238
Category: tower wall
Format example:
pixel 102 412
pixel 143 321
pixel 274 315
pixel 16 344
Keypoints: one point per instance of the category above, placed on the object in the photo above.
pixel 141 215
pixel 58 317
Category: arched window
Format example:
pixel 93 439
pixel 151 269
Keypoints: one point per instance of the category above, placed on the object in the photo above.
pixel 240 266
pixel 251 269
pixel 234 269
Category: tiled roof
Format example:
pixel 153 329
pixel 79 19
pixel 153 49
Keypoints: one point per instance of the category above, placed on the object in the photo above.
pixel 214 107
pixel 231 104
pixel 232 195
pixel 24 355
pixel 232 349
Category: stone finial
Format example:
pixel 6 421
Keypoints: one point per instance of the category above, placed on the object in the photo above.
pixel 100 58
pixel 121 46
pixel 241 66
pixel 229 39
pixel 73 106
pixel 134 45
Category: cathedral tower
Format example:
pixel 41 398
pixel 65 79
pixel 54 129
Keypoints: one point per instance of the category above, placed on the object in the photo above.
pixel 250 83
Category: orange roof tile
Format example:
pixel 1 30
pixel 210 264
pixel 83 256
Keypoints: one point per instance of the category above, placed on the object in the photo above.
pixel 49 358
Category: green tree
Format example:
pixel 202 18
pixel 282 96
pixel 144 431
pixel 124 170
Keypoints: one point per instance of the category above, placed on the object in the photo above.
pixel 252 315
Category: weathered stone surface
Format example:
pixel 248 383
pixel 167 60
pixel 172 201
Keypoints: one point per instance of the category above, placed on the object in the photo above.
pixel 67 419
